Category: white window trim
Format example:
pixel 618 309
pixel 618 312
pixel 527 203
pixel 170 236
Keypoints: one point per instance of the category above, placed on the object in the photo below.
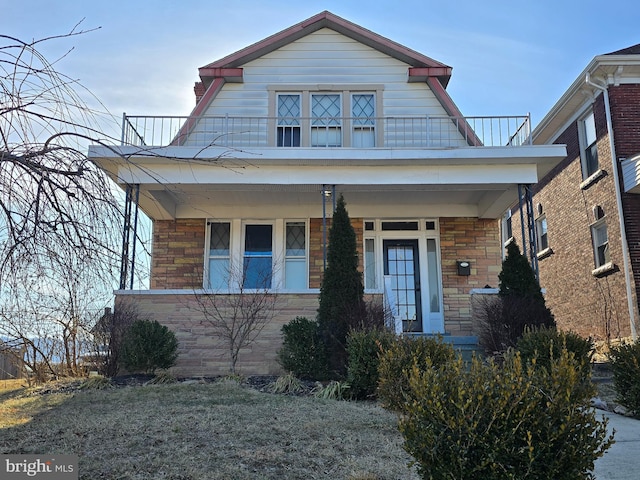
pixel 542 217
pixel 305 288
pixel 587 177
pixel 236 252
pixel 306 90
pixel 432 322
pixel 594 227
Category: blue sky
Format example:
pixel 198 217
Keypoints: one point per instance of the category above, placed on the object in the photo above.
pixel 508 58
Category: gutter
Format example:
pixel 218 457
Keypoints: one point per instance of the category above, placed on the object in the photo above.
pixel 614 161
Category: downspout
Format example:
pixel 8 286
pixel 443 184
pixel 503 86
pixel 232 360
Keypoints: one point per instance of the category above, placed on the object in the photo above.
pixel 623 231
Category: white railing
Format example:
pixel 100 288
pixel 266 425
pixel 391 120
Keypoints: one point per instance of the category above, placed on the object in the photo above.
pixel 392 319
pixel 427 131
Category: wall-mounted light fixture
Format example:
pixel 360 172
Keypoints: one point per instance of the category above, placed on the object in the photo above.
pixel 464 267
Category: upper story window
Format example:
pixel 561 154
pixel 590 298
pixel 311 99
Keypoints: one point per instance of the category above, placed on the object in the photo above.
pixel 326 116
pixel 600 238
pixel 588 145
pixel 288 121
pixel 363 113
pixel 326 120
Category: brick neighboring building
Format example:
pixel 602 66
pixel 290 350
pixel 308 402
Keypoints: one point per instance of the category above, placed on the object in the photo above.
pixel 587 209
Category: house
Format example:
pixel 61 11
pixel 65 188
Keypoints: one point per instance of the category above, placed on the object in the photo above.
pixel 10 363
pixel 248 180
pixel 586 210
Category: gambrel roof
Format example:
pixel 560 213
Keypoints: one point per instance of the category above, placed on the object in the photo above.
pixel 229 69
pixel 422 65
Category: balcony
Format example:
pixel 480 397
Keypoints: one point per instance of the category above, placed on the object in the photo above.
pixel 437 132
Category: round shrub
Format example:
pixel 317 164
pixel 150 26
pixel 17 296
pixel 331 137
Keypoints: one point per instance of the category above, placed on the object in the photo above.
pixel 545 344
pixel 513 421
pixel 625 365
pixel 402 356
pixel 303 352
pixel 364 348
pixel 148 346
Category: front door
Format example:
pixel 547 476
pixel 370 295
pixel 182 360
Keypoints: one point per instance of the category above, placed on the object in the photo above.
pixel 401 263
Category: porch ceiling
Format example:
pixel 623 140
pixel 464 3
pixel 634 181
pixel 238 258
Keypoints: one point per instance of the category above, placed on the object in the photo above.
pixel 476 182
pixel 300 201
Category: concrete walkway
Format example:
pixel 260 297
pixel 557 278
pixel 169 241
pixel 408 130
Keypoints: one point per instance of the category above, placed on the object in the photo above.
pixel 622 460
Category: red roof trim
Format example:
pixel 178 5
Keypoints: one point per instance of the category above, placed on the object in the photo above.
pixel 429 71
pixel 329 20
pixel 211 92
pixel 221 72
pixel 452 109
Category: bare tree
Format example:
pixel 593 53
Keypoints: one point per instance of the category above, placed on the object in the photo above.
pixel 51 194
pixel 238 317
pixel 58 215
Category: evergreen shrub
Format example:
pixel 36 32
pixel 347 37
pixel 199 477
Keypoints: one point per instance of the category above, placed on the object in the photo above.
pixel 303 352
pixel 519 306
pixel 149 346
pixel 364 348
pixel 545 344
pixel 513 421
pixel 341 304
pixel 403 356
pixel 625 365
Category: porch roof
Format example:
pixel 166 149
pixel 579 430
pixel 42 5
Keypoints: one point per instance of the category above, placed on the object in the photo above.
pixel 206 182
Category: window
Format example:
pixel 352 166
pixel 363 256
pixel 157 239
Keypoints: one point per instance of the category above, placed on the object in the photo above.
pixel 363 113
pixel 295 262
pixel 219 255
pixel 588 146
pixel 369 263
pixel 507 228
pixel 258 256
pixel 433 275
pixel 288 121
pixel 326 121
pixel 541 232
pixel 600 238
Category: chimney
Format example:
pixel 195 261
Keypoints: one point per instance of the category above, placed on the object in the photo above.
pixel 199 90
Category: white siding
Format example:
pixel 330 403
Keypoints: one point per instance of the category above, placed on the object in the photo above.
pixel 326 57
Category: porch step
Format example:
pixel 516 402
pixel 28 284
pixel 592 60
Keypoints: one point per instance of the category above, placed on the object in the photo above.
pixel 465 345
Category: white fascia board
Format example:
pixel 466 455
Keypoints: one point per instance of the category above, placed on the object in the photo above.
pixel 347 175
pixel 339 156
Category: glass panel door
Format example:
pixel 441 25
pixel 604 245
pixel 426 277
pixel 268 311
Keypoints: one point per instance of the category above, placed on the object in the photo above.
pixel 402 265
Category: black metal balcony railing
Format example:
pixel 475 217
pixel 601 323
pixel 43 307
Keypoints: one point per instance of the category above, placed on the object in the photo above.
pixel 380 132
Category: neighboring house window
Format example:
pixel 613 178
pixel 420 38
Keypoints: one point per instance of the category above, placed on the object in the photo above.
pixel 507 229
pixel 588 145
pixel 363 113
pixel 600 239
pixel 295 262
pixel 370 263
pixel 326 121
pixel 219 255
pixel 258 256
pixel 288 121
pixel 541 231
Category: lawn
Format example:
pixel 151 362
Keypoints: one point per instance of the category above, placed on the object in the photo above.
pixel 218 430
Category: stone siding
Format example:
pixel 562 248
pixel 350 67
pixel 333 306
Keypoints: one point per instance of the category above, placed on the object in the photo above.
pixel 478 241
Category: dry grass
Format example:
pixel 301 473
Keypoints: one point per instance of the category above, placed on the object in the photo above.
pixel 206 431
